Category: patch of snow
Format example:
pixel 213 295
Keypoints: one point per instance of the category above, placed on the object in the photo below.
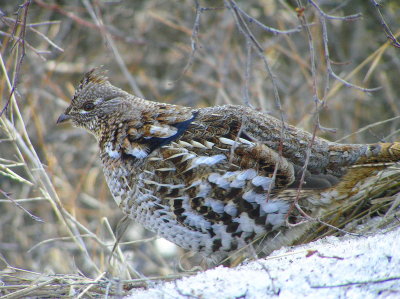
pixel 346 267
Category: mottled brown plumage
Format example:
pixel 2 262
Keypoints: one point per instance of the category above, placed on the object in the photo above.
pixel 214 179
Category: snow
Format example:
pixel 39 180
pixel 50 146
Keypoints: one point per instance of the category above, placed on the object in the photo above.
pixel 346 267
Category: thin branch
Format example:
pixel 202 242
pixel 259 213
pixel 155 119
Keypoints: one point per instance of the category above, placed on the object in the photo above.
pixel 250 19
pixel 45 23
pixel 245 30
pixel 29 46
pixel 327 16
pixel 57 8
pixel 385 26
pixel 7 195
pixel 194 39
pixel 364 89
pixel 379 280
pixel 368 127
pixel 309 218
pixel 68 14
pixel 21 48
pixel 47 39
pixel 251 39
pixel 107 36
pixel 13 22
pixel 322 18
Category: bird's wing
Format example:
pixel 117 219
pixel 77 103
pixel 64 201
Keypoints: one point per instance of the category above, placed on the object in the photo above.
pixel 215 175
pixel 217 181
pixel 154 129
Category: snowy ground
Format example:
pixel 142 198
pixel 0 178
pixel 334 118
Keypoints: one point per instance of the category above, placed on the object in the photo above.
pixel 347 267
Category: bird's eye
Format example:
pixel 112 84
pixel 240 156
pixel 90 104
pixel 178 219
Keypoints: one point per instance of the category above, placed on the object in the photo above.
pixel 88 106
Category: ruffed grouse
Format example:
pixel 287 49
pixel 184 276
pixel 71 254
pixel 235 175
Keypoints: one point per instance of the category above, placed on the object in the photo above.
pixel 214 179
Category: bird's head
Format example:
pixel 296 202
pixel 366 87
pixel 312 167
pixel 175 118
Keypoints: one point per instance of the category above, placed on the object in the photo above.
pixel 103 109
pixel 94 103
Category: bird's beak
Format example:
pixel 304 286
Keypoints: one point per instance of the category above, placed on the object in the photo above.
pixel 63 117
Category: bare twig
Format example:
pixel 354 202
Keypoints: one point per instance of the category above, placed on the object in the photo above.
pixel 59 9
pixel 385 26
pixel 28 45
pixel 37 24
pixel 250 19
pixel 327 16
pixel 245 30
pixel 327 56
pixel 342 285
pixel 368 127
pixel 97 19
pixel 194 39
pixel 309 218
pixel 47 39
pixel 7 195
pixel 21 47
pixel 14 22
pixel 317 103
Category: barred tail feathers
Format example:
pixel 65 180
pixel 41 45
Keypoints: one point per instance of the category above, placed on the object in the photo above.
pixel 364 154
pixel 388 153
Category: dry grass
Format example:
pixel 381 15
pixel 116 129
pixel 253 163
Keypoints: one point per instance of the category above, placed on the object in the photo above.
pixel 57 216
